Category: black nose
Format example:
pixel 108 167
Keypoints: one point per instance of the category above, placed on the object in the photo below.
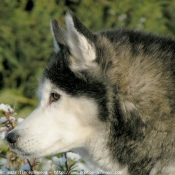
pixel 12 137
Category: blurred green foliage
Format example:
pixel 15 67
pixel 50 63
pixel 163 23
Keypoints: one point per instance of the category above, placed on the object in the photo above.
pixel 26 43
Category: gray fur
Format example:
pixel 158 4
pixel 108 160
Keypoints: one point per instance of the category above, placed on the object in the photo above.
pixel 137 70
pixel 130 75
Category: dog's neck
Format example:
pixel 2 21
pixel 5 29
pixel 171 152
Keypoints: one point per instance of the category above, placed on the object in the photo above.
pixel 97 156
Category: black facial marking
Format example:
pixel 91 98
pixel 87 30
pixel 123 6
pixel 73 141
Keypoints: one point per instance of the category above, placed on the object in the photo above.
pixel 59 73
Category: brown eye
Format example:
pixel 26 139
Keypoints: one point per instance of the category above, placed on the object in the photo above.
pixel 54 97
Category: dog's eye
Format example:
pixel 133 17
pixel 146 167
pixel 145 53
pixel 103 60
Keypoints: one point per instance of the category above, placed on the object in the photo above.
pixel 54 97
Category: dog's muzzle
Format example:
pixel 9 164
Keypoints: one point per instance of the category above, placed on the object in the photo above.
pixel 12 139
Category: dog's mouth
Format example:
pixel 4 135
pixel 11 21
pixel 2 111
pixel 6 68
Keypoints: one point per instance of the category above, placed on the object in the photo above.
pixel 12 145
pixel 35 153
pixel 23 153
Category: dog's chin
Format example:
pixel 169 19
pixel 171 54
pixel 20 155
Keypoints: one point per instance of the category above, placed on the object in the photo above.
pixel 27 155
pixel 23 153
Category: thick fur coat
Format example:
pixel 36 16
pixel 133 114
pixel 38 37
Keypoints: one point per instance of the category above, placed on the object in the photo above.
pixel 128 78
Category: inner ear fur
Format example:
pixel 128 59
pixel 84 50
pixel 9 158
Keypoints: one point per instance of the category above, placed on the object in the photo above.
pixel 80 43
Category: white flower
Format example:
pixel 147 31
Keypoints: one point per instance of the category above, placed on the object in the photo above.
pixel 46 164
pixel 49 163
pixel 3 131
pixel 73 156
pixel 6 108
pixel 12 118
pixel 59 161
pixel 3 119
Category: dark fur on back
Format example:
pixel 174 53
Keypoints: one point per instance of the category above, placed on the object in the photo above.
pixel 135 90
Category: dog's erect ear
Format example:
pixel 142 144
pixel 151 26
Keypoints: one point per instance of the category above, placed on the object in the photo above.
pixel 80 42
pixel 58 34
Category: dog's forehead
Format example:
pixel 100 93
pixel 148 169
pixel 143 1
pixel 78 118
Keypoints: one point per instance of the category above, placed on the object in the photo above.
pixel 43 87
pixel 61 76
pixel 46 87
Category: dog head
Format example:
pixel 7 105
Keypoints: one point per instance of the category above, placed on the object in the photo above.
pixel 72 94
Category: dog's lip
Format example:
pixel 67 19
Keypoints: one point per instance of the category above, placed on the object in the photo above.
pixel 25 154
pixel 12 145
pixel 15 147
pixel 22 152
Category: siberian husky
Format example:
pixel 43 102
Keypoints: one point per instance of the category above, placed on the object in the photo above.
pixel 108 95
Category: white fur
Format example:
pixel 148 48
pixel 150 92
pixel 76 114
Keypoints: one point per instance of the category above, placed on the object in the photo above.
pixel 82 50
pixel 59 126
pixel 70 123
pixel 56 45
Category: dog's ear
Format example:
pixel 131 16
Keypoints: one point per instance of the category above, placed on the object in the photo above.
pixel 80 41
pixel 58 34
